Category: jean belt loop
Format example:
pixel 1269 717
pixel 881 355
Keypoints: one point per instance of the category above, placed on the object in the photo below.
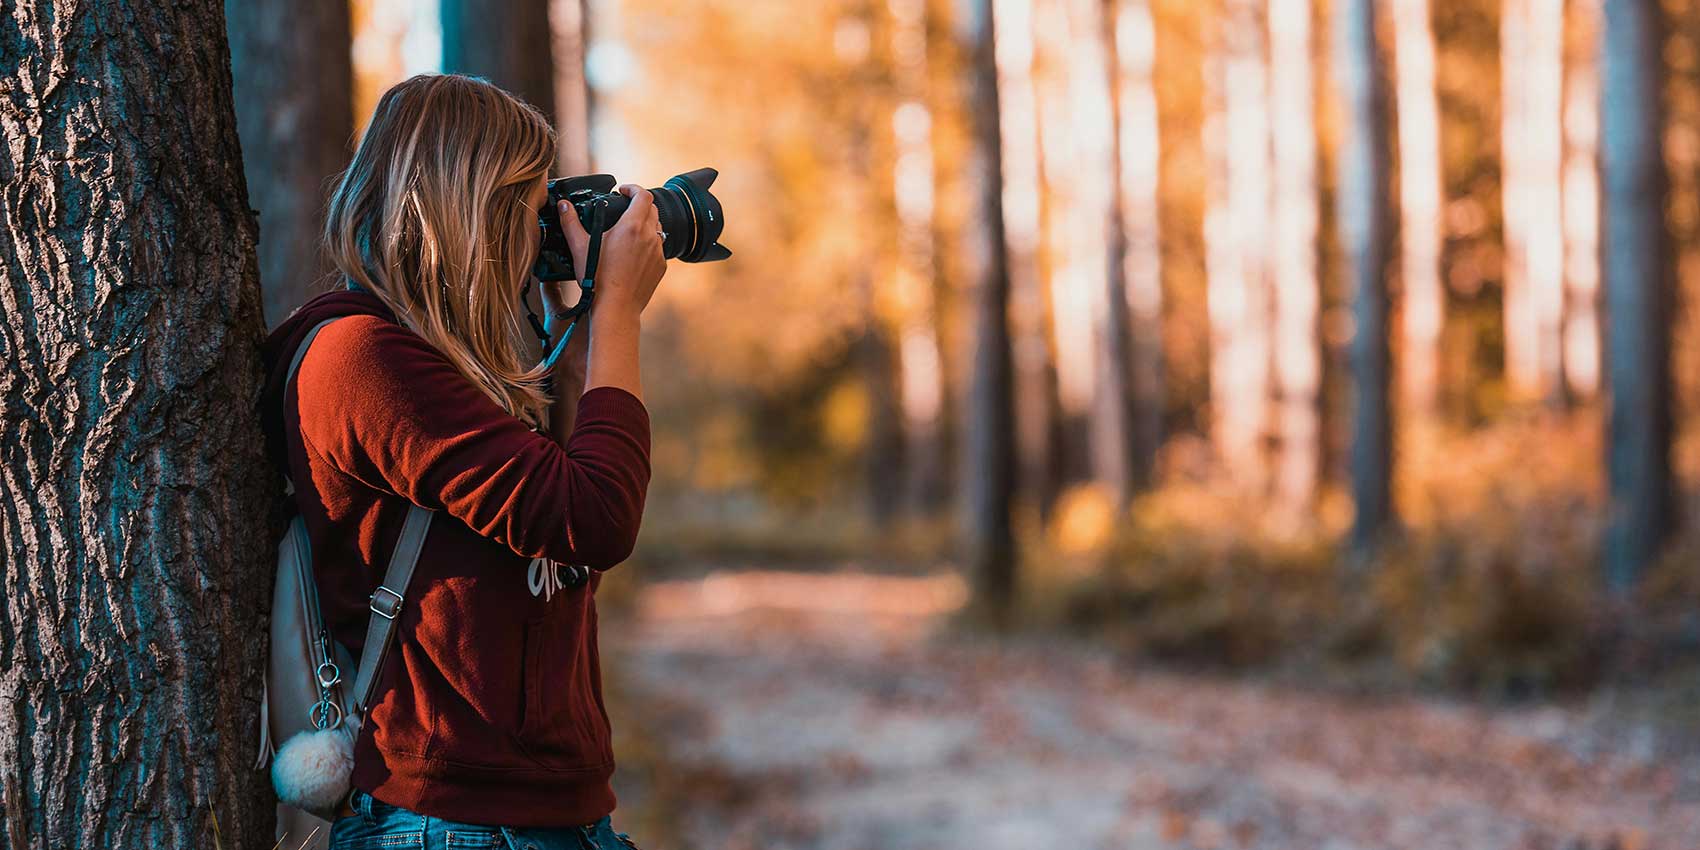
pixel 361 802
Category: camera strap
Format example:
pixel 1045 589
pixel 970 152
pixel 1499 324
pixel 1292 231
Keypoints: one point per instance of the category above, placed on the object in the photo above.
pixel 587 287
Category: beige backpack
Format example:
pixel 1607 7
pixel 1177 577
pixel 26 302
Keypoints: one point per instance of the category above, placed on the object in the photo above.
pixel 309 705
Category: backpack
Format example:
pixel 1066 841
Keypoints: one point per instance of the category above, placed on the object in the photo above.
pixel 308 702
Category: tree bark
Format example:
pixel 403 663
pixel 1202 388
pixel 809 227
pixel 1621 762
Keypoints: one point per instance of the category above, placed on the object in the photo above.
pixel 1638 287
pixel 507 42
pixel 1362 213
pixel 137 508
pixel 989 461
pixel 294 78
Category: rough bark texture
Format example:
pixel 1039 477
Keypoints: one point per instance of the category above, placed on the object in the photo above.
pixel 1636 263
pixel 989 465
pixel 135 502
pixel 507 42
pixel 295 110
pixel 1363 215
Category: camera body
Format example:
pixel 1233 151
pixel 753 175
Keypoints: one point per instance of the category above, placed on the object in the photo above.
pixel 691 218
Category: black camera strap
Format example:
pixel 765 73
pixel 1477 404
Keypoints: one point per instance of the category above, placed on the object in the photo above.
pixel 587 288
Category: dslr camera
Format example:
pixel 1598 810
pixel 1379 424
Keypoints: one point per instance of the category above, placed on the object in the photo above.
pixel 690 217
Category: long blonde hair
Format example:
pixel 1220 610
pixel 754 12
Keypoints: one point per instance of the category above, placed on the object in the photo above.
pixel 431 217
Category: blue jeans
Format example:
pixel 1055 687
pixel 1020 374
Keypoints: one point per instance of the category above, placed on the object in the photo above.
pixel 376 824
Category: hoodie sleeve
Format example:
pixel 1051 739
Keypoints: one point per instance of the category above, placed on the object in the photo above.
pixel 384 406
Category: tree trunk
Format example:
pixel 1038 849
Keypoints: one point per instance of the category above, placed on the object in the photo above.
pixel 1638 276
pixel 1136 256
pixel 136 505
pixel 1236 246
pixel 1531 62
pixel 1037 417
pixel 507 42
pixel 989 462
pixel 1423 310
pixel 1297 292
pixel 1112 428
pixel 294 81
pixel 1361 209
pixel 570 23
pixel 1582 200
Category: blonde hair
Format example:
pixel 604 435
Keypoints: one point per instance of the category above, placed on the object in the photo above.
pixel 431 217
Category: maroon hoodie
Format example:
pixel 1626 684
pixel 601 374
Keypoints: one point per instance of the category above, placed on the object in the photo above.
pixel 489 707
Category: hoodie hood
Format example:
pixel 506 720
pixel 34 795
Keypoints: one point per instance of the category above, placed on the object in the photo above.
pixel 279 348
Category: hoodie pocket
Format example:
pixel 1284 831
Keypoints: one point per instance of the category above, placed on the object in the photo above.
pixel 561 727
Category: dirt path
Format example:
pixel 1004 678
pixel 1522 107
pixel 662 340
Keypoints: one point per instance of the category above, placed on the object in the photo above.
pixel 826 712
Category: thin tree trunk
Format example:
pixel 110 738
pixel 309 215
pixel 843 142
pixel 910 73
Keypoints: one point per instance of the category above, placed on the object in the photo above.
pixel 1363 216
pixel 1637 267
pixel 1424 309
pixel 1136 254
pixel 294 81
pixel 1098 247
pixel 1582 201
pixel 1038 417
pixel 922 373
pixel 507 42
pixel 136 504
pixel 989 463
pixel 1531 62
pixel 570 23
pixel 1236 225
pixel 1297 292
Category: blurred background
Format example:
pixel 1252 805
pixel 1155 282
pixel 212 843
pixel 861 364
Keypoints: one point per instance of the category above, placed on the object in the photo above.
pixel 1123 423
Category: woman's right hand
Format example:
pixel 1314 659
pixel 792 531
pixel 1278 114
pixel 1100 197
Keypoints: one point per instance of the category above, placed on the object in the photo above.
pixel 631 262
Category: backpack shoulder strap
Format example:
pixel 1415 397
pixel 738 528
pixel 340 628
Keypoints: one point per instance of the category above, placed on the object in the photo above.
pixel 386 601
pixel 386 604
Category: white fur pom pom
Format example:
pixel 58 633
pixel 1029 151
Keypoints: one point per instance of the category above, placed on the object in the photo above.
pixel 312 769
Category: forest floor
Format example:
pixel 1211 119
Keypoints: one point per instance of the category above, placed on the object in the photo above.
pixel 788 711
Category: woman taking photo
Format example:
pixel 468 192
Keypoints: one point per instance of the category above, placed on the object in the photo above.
pixel 488 728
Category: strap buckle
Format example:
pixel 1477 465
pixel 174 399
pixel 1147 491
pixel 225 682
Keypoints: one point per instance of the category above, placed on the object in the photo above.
pixel 391 604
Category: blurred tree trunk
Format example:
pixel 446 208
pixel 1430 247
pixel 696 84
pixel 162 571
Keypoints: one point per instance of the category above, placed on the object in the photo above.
pixel 1136 257
pixel 1297 291
pixel 989 463
pixel 1237 244
pixel 1362 213
pixel 1125 405
pixel 919 359
pixel 1423 312
pixel 138 504
pixel 507 42
pixel 1039 416
pixel 294 82
pixel 1637 268
pixel 1531 62
pixel 1581 357
pixel 570 23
